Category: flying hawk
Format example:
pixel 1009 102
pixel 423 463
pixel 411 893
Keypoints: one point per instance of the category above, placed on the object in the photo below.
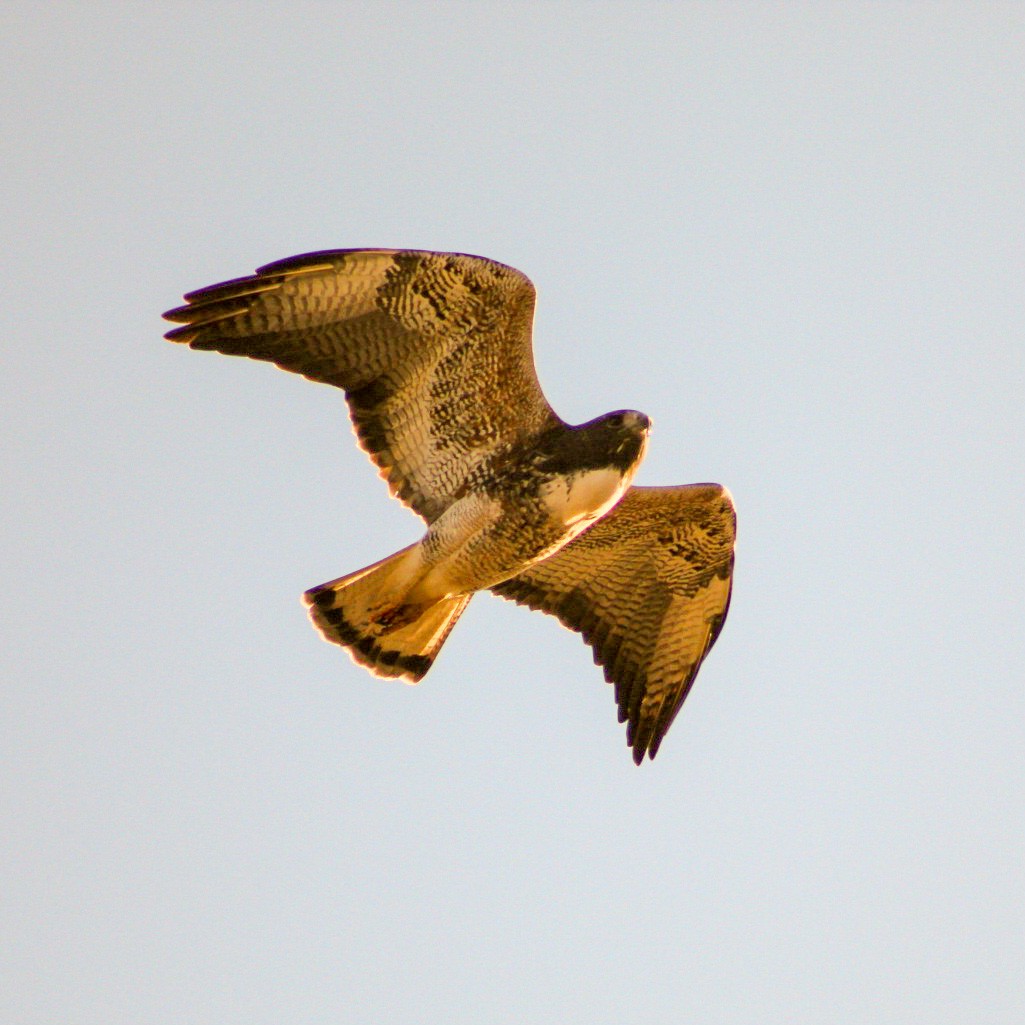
pixel 433 351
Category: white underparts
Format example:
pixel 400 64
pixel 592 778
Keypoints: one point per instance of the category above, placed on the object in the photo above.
pixel 580 498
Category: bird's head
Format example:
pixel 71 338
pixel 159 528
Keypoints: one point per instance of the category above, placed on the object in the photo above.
pixel 626 431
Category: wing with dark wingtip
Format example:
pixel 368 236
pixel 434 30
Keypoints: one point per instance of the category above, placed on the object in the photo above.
pixel 648 587
pixel 433 351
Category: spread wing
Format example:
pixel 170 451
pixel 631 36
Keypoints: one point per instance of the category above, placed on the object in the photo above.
pixel 433 351
pixel 648 586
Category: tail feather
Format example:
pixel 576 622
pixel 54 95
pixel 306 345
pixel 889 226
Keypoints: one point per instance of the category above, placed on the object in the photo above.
pixel 366 613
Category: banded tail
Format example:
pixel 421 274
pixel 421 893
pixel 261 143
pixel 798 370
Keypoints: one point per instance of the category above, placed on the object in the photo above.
pixel 366 613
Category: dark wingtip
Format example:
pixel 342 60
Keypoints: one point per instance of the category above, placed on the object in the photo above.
pixel 179 315
pixel 181 334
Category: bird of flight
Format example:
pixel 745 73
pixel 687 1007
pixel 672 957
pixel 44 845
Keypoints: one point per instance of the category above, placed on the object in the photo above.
pixel 433 352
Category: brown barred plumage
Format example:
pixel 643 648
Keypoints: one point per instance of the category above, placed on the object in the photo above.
pixel 433 351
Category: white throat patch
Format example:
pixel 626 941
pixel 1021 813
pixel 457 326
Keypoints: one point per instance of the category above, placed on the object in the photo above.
pixel 580 498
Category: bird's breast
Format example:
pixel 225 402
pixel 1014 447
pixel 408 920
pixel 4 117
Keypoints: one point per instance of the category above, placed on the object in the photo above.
pixel 578 499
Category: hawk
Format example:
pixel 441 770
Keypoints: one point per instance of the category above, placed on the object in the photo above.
pixel 433 352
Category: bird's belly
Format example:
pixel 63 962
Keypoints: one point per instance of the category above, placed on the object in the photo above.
pixel 480 541
pixel 578 499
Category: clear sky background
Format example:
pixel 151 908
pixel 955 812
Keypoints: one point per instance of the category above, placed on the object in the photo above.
pixel 791 234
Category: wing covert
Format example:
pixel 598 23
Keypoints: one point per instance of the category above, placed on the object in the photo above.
pixel 433 351
pixel 648 586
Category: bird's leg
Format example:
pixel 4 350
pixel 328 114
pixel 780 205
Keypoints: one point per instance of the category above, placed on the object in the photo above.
pixel 388 619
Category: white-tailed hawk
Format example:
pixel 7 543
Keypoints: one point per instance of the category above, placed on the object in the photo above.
pixel 433 351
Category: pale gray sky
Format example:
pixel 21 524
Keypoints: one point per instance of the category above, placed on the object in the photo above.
pixel 791 234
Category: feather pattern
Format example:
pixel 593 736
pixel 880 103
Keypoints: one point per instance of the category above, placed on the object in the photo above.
pixel 433 352
pixel 648 587
pixel 419 341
